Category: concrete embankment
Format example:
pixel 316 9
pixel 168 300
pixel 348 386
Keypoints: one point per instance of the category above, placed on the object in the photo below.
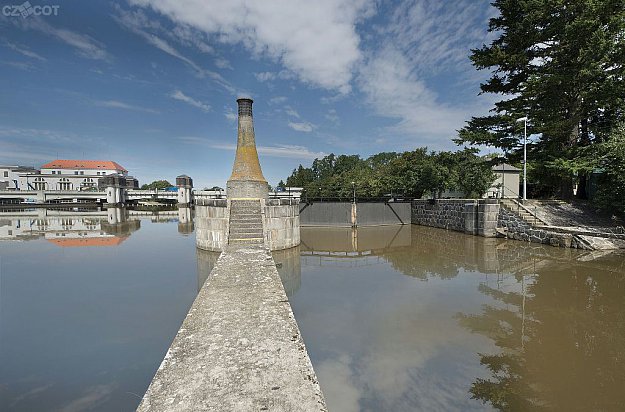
pixel 239 348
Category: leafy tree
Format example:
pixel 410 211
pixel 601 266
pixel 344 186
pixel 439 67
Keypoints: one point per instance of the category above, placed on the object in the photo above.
pixel 562 64
pixel 157 184
pixel 476 175
pixel 610 159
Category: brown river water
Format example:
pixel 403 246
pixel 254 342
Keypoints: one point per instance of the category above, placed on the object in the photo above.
pixel 395 318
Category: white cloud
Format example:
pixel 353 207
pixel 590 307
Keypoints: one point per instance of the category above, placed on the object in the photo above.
pixel 333 117
pixel 301 126
pixel 179 95
pixel 23 50
pixel 84 45
pixel 265 76
pixel 138 23
pixel 316 40
pixel 420 40
pixel 291 112
pixel 18 65
pixel 277 100
pixel 230 114
pixel 223 63
pixel 116 104
pixel 279 150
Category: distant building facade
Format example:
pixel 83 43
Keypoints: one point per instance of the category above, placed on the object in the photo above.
pixel 63 174
pixel 9 176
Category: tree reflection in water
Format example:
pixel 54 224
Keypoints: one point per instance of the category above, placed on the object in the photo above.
pixel 561 338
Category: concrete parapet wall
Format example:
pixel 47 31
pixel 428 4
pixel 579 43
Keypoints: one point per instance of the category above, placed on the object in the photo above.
pixel 326 214
pixel 211 225
pixel 476 217
pixel 282 226
pixel 239 348
pixel 391 213
pixel 346 214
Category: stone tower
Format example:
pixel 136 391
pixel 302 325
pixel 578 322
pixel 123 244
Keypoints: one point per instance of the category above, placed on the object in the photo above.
pixel 247 180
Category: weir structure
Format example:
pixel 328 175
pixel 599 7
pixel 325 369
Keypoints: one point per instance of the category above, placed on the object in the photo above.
pixel 239 347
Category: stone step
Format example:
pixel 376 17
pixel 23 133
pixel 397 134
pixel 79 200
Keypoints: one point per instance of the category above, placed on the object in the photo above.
pixel 247 241
pixel 245 215
pixel 245 234
pixel 256 221
pixel 245 223
pixel 244 231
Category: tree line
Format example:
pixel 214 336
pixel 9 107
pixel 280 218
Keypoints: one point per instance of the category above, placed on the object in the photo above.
pixel 412 174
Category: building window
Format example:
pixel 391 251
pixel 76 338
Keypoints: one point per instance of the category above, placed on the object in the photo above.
pixel 39 184
pixel 82 173
pixel 65 184
pixel 6 174
pixel 75 172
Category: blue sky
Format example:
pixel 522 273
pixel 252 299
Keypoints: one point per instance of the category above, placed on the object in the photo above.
pixel 153 84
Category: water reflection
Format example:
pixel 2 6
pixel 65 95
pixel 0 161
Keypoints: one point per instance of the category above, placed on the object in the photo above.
pixel 69 228
pixel 560 338
pixel 185 220
pixel 206 261
pixel 85 328
pixel 289 266
pixel 436 320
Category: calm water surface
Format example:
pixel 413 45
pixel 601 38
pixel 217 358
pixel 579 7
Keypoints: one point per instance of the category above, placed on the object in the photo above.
pixel 394 318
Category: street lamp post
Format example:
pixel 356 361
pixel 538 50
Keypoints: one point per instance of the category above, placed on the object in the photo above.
pixel 524 119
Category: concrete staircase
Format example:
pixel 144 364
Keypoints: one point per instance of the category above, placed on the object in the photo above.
pixel 524 213
pixel 246 222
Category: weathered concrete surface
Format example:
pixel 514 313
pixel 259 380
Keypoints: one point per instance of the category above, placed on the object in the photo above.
pixel 239 348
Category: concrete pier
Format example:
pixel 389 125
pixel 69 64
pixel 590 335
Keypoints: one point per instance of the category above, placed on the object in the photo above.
pixel 239 348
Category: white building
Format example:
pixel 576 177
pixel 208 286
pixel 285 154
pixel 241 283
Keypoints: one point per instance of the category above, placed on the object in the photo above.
pixel 9 176
pixel 72 175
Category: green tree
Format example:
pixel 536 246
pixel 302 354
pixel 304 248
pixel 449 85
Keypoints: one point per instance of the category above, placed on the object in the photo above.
pixel 610 159
pixel 562 64
pixel 157 184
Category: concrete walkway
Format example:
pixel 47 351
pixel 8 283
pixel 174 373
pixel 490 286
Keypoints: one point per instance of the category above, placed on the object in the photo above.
pixel 239 348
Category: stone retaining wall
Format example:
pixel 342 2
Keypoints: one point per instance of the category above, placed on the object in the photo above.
pixel 476 217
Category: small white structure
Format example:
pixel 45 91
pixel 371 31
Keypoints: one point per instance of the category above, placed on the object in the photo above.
pixel 507 183
pixel 185 189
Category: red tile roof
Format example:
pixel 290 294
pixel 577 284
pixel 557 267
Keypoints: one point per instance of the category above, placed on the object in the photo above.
pixel 83 164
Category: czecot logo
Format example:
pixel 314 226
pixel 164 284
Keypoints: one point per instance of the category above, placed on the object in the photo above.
pixel 26 9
